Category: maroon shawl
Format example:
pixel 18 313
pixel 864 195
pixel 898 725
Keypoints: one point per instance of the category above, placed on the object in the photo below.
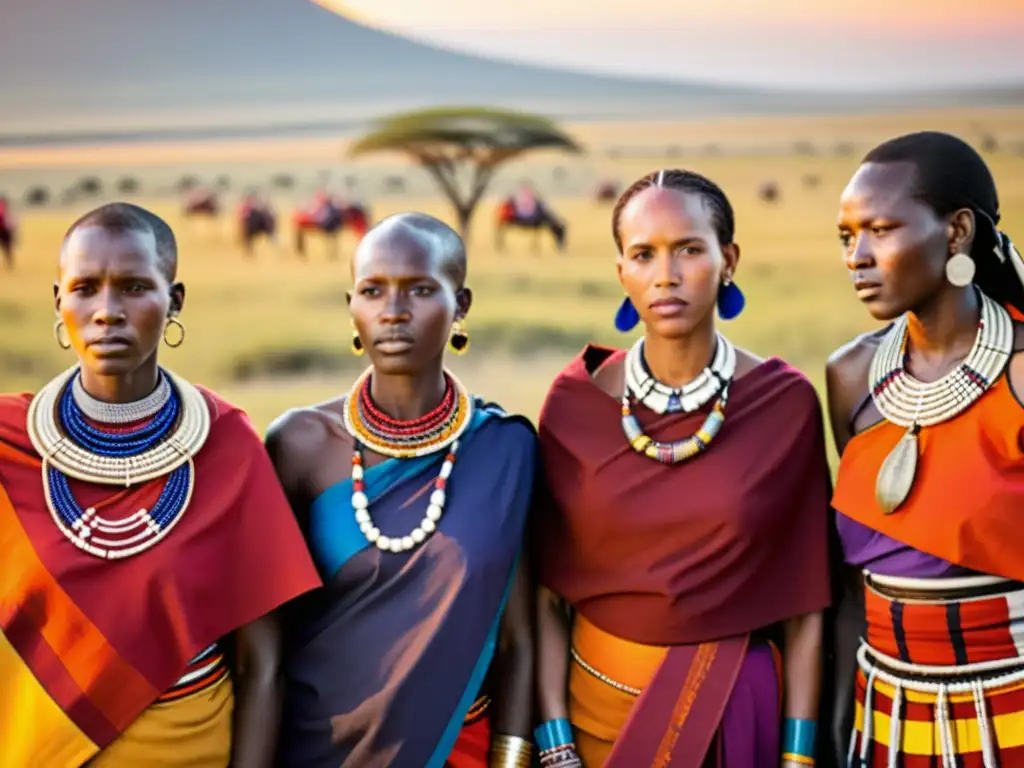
pixel 727 543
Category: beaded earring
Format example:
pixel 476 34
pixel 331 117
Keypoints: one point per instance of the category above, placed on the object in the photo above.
pixel 627 317
pixel 731 300
pixel 459 339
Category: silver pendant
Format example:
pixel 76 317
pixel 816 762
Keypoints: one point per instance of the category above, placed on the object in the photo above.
pixel 896 475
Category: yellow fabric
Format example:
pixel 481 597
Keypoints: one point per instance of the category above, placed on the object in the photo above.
pixel 193 732
pixel 597 710
pixel 34 731
pixel 922 738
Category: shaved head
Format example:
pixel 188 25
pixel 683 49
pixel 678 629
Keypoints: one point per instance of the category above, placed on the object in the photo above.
pixel 431 235
pixel 119 218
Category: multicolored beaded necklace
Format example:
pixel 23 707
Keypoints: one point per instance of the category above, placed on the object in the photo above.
pixel 695 444
pixel 437 430
pixel 125 454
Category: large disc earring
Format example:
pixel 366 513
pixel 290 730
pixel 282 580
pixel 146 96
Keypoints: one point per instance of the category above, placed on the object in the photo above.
pixel 626 317
pixel 356 345
pixel 173 322
pixel 459 339
pixel 960 269
pixel 731 300
pixel 57 326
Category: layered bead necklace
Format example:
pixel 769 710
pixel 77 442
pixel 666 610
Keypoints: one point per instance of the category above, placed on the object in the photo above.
pixel 177 424
pixel 642 386
pixel 434 432
pixel 912 404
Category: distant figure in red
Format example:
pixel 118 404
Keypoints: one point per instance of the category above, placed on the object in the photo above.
pixel 525 210
pixel 329 216
pixel 256 218
pixel 8 229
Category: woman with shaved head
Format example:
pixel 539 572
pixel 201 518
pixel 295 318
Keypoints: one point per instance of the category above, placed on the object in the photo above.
pixel 414 495
pixel 144 536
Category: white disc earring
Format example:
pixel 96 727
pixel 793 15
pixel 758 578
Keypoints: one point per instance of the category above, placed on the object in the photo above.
pixel 960 269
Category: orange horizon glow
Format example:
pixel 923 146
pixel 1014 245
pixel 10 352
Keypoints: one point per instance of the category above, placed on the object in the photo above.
pixel 915 15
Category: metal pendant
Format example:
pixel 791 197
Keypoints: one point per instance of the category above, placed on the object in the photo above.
pixel 896 476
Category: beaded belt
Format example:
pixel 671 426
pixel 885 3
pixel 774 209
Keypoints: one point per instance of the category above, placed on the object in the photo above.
pixel 207 668
pixel 603 677
pixel 940 637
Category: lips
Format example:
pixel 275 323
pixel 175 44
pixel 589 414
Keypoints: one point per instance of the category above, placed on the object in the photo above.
pixel 667 307
pixel 394 344
pixel 111 342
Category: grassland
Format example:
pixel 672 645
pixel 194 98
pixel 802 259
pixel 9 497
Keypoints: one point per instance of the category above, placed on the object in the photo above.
pixel 273 333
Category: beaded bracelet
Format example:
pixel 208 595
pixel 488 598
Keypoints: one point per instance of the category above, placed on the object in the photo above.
pixel 553 733
pixel 798 741
pixel 560 757
pixel 510 752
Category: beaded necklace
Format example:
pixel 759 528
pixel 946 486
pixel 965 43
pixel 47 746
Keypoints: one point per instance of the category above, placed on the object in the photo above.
pixel 680 450
pixel 437 430
pixel 121 413
pixel 72 447
pixel 693 396
pixel 913 404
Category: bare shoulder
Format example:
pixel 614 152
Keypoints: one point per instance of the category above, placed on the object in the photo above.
pixel 847 367
pixel 297 438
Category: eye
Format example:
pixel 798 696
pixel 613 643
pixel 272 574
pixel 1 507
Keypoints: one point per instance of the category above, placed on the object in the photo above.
pixel 369 291
pixel 691 250
pixel 423 291
pixel 881 229
pixel 137 288
pixel 846 239
pixel 81 288
pixel 642 255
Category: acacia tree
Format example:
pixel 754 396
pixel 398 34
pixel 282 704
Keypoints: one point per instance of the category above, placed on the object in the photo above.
pixel 462 148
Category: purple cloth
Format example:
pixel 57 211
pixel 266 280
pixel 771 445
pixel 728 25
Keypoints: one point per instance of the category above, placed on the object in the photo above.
pixel 749 733
pixel 866 548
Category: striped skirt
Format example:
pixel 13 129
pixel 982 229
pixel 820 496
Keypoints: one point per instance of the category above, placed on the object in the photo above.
pixel 941 678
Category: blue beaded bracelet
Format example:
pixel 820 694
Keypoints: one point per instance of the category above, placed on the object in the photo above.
pixel 799 737
pixel 553 733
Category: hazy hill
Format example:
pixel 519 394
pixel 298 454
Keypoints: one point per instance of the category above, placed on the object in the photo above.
pixel 70 67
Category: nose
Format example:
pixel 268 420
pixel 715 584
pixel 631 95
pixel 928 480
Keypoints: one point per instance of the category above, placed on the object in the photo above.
pixel 396 308
pixel 859 254
pixel 668 274
pixel 109 308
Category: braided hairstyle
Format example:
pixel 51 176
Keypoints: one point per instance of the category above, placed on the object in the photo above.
pixel 722 218
pixel 951 175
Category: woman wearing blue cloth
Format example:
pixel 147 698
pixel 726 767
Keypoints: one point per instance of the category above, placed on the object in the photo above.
pixel 413 496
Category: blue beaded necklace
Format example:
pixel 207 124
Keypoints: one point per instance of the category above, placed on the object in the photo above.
pixel 115 539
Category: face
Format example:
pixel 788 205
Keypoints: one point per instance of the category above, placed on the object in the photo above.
pixel 672 264
pixel 114 299
pixel 895 246
pixel 403 302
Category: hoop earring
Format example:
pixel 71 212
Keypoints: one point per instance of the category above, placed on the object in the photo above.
pixel 960 269
pixel 56 334
pixel 731 300
pixel 173 321
pixel 356 344
pixel 459 339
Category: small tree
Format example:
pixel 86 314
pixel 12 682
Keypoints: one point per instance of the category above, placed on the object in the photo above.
pixel 462 148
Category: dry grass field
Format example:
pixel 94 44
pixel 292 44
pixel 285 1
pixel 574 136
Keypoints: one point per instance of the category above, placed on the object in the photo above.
pixel 273 333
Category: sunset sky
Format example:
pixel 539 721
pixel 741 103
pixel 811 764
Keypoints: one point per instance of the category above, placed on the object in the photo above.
pixel 840 44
